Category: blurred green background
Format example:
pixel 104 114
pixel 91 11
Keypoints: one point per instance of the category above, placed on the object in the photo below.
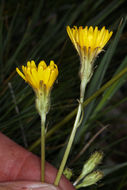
pixel 36 30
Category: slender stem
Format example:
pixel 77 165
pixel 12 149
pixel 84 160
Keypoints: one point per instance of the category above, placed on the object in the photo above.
pixel 68 146
pixel 43 118
pixel 76 125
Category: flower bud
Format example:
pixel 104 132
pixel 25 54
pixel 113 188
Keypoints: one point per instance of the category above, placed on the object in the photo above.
pixel 90 179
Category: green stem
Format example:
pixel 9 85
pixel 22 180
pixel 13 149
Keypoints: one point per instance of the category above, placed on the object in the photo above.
pixel 76 125
pixel 43 118
pixel 68 146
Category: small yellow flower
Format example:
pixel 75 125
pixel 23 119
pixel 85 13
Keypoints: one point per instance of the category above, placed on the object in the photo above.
pixel 41 77
pixel 89 42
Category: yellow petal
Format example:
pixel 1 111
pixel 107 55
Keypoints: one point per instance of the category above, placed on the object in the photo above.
pixel 34 76
pixel 100 36
pixel 81 36
pixel 52 78
pixel 28 64
pixel 95 34
pixel 42 64
pixel 90 37
pixel 32 64
pixel 21 74
pixel 46 75
pixel 72 36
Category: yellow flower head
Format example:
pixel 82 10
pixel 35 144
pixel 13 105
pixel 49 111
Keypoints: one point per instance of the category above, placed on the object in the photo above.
pixel 89 42
pixel 41 77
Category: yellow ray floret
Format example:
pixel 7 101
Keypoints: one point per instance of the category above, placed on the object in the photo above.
pixel 38 76
pixel 88 40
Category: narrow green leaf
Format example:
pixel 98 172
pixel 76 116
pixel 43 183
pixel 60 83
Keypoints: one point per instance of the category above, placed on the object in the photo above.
pixel 112 90
pixel 112 169
pixel 112 6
